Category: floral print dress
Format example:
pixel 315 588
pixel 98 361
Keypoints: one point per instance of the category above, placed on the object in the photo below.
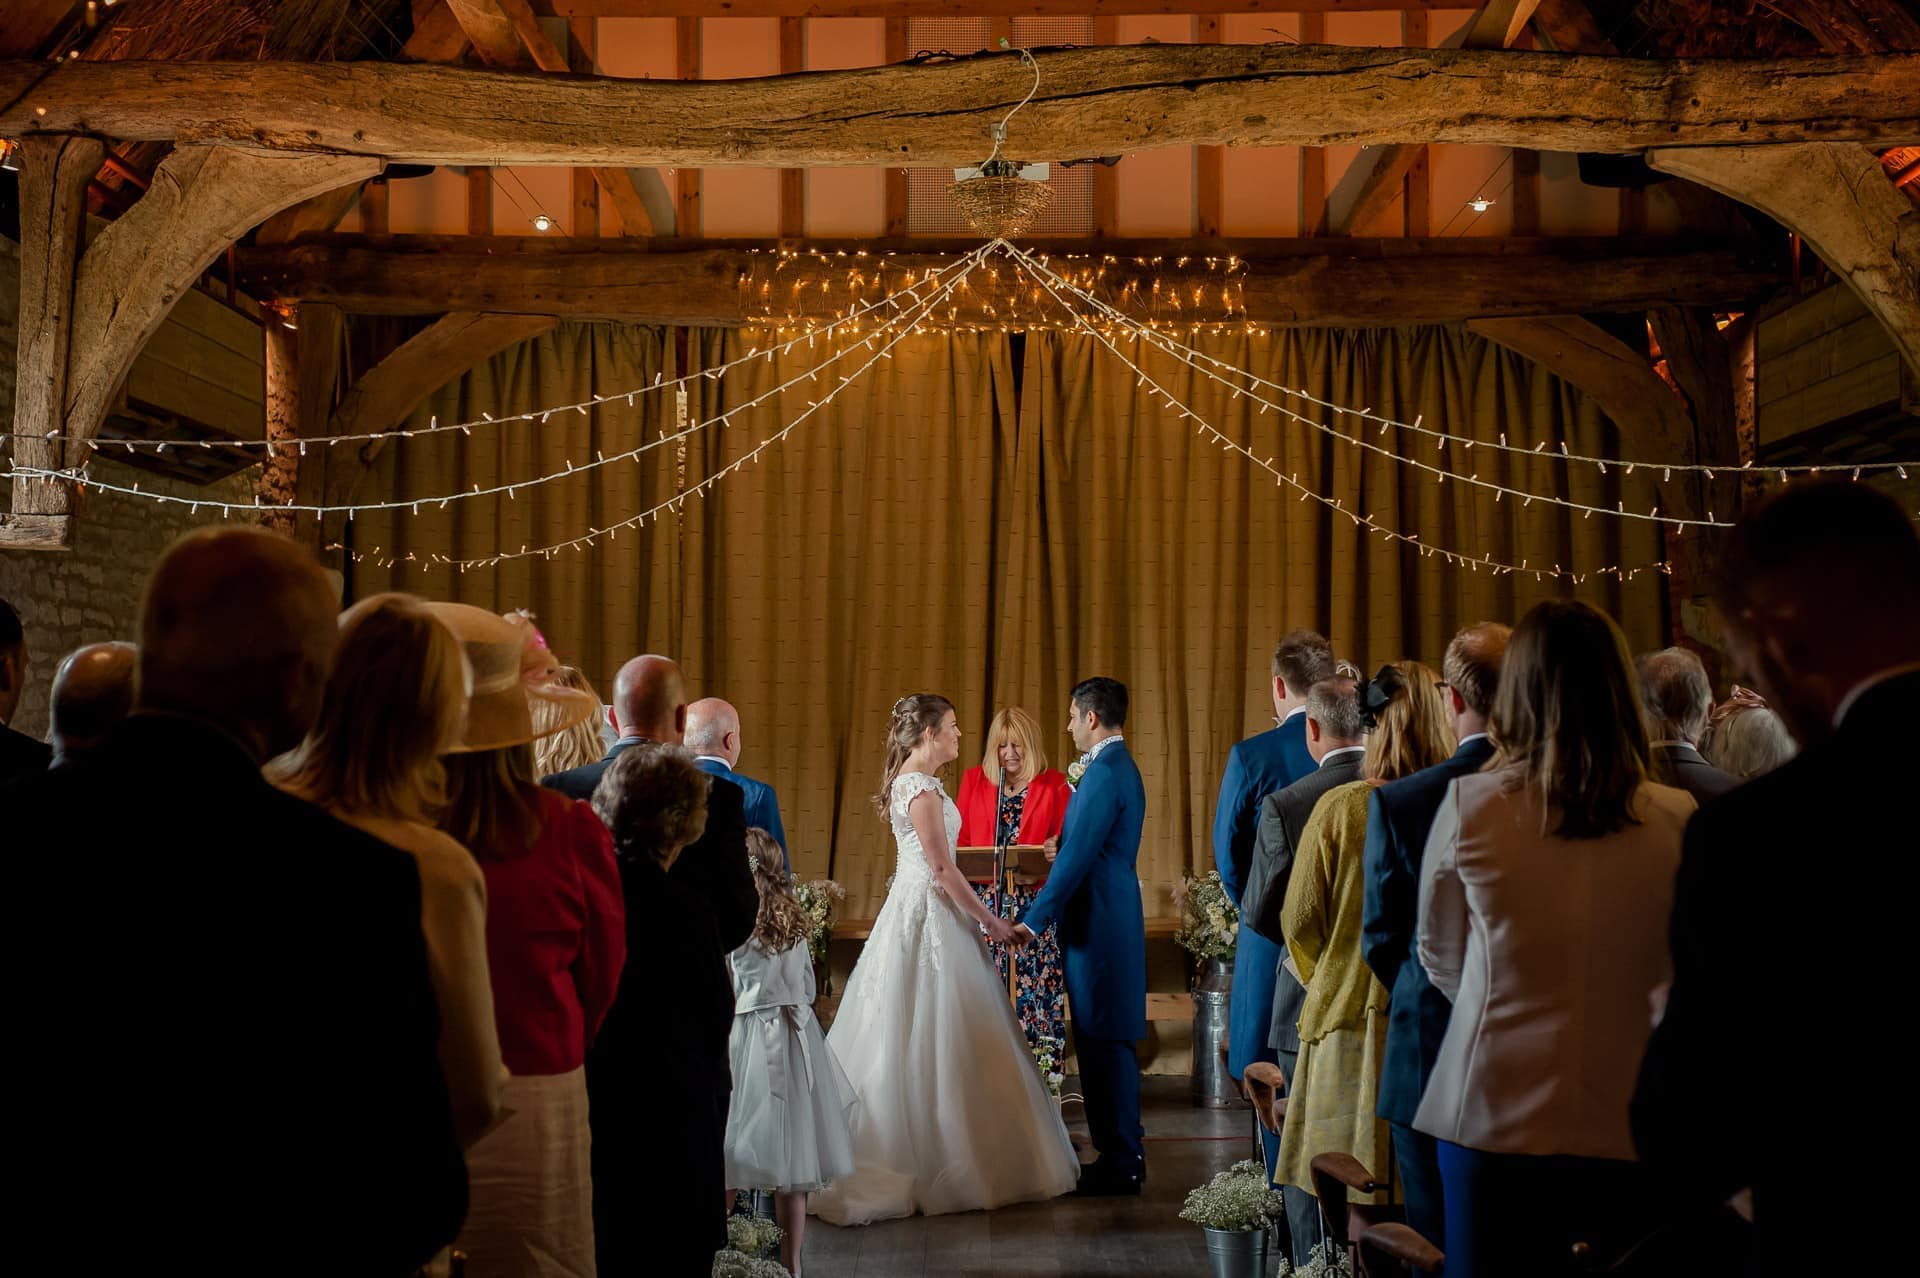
pixel 1040 998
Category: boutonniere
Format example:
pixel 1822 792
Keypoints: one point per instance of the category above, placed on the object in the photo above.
pixel 1076 770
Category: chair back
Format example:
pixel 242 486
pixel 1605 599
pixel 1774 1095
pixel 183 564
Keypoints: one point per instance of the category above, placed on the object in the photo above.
pixel 1397 1251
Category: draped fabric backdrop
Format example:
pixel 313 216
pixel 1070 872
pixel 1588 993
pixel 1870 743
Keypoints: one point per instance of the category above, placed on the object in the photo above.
pixel 994 517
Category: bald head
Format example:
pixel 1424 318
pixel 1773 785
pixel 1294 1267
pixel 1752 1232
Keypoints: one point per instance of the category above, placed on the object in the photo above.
pixel 650 700
pixel 237 628
pixel 713 728
pixel 92 691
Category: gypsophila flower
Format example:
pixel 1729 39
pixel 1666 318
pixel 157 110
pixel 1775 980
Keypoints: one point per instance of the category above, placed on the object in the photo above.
pixel 1237 1198
pixel 753 1236
pixel 733 1264
pixel 817 898
pixel 1209 923
pixel 1324 1261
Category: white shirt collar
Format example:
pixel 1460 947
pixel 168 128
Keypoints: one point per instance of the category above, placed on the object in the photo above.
pixel 1471 737
pixel 1102 744
pixel 1674 743
pixel 713 758
pixel 1868 684
pixel 1296 711
pixel 1331 755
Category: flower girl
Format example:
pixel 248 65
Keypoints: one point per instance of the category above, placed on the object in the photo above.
pixel 787 1127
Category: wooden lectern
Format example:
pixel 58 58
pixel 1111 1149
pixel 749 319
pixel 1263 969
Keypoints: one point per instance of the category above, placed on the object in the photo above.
pixel 1003 868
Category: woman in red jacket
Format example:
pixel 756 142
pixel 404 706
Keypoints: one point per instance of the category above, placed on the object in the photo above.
pixel 1013 797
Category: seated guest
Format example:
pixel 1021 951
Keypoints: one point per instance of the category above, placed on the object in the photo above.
pixel 659 1174
pixel 556 944
pixel 1336 738
pixel 393 704
pixel 20 754
pixel 1257 767
pixel 1678 701
pixel 1820 591
pixel 1745 738
pixel 1334 1094
pixel 1543 892
pixel 1013 797
pixel 92 691
pixel 1399 818
pixel 577 744
pixel 650 706
pixel 262 960
pixel 713 735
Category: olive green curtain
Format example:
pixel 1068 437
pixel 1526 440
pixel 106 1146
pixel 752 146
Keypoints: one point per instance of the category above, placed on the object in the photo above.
pixel 992 518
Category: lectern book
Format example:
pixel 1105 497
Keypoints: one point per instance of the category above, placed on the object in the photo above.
pixel 1026 860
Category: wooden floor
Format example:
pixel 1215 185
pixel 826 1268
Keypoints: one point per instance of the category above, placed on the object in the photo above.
pixel 1068 1237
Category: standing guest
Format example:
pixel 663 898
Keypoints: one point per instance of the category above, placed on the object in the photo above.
pixel 715 881
pixel 393 704
pixel 92 691
pixel 1745 738
pixel 20 754
pixel 713 734
pixel 659 1176
pixel 1012 798
pixel 265 959
pixel 1399 817
pixel 1679 700
pixel 1820 589
pixel 788 1128
pixel 1343 1023
pixel 1257 767
pixel 556 944
pixel 1336 738
pixel 1543 890
pixel 577 744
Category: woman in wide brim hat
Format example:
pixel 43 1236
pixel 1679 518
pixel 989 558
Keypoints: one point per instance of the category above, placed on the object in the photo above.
pixel 556 942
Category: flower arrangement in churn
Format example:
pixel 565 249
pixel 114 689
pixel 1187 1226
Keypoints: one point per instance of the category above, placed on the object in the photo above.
pixel 818 901
pixel 1237 1198
pixel 1047 1054
pixel 1209 920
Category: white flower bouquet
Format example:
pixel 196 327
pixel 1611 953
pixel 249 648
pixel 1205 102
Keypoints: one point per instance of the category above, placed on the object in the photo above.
pixel 1237 1198
pixel 735 1264
pixel 1209 921
pixel 753 1236
pixel 818 901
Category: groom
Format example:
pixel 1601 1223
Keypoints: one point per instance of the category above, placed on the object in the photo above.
pixel 1094 894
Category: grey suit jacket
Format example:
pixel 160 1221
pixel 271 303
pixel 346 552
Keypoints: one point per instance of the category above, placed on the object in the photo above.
pixel 1687 769
pixel 1283 816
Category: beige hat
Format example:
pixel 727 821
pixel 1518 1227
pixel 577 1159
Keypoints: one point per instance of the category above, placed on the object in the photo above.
pixel 514 698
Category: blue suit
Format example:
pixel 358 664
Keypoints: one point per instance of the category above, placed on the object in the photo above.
pixel 763 806
pixel 1399 816
pixel 1093 893
pixel 1256 767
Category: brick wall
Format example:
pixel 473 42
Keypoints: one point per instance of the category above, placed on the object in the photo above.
pixel 91 592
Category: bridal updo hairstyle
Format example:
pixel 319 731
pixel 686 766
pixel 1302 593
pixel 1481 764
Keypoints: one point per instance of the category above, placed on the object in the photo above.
pixel 913 718
pixel 1406 720
pixel 653 800
pixel 1567 719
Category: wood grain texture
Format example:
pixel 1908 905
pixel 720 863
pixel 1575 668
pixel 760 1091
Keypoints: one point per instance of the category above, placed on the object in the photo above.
pixel 1092 102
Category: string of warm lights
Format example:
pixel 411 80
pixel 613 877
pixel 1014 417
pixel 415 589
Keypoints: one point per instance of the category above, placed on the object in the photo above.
pixel 436 427
pixel 1442 473
pixel 82 480
pixel 1213 434
pixel 1192 355
pixel 673 504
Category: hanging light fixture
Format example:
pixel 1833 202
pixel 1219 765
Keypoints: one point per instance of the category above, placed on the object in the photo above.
pixel 1480 203
pixel 1001 199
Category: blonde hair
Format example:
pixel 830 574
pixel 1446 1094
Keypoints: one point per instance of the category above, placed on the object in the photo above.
pixel 395 700
pixel 781 922
pixel 913 717
pixel 572 747
pixel 1412 731
pixel 1016 725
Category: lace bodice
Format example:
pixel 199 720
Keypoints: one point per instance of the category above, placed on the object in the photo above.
pixel 910 867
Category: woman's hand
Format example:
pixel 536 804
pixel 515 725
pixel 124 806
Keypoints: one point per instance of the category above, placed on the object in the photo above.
pixel 1051 847
pixel 999 931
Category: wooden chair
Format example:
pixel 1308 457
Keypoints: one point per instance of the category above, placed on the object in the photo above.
pixel 1264 1085
pixel 1334 1177
pixel 1394 1250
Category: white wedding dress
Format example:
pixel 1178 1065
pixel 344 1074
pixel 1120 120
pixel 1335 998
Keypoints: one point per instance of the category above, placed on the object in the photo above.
pixel 952 1113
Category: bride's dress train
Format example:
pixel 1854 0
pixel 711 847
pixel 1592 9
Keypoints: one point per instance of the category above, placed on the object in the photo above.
pixel 952 1114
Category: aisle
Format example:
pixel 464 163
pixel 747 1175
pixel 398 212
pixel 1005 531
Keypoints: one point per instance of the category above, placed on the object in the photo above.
pixel 1069 1237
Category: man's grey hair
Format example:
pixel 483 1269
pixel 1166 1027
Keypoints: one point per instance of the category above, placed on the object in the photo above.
pixel 1334 704
pixel 1676 694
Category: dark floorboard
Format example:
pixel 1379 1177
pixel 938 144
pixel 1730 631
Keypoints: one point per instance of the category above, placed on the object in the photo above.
pixel 1068 1237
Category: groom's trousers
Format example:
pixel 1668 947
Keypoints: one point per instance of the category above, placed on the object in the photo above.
pixel 1110 1081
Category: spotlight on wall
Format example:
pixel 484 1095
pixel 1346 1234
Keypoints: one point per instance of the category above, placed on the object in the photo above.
pixel 542 223
pixel 1480 204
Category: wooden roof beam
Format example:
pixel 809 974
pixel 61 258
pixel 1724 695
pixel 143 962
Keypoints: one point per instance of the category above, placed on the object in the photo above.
pixel 966 8
pixel 1092 102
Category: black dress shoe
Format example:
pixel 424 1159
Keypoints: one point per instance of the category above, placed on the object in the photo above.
pixel 1102 1181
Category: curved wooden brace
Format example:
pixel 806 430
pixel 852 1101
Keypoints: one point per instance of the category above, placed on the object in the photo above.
pixel 1837 197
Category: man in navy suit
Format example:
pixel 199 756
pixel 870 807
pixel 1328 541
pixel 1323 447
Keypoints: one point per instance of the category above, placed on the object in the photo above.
pixel 1094 895
pixel 713 734
pixel 1399 815
pixel 1257 767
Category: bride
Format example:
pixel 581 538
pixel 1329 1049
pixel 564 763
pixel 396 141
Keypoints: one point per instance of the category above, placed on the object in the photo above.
pixel 952 1112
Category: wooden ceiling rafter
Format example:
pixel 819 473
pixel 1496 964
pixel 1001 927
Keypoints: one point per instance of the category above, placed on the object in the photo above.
pixel 967 8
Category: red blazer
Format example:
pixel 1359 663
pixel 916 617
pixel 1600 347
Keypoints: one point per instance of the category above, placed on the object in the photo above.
pixel 979 805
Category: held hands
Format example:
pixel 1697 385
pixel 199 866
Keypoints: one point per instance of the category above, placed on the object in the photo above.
pixel 1001 932
pixel 1022 936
